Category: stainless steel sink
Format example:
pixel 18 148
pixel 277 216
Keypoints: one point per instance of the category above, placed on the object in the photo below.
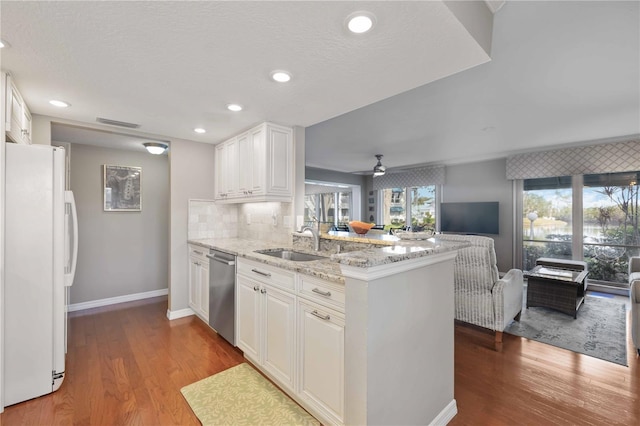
pixel 295 256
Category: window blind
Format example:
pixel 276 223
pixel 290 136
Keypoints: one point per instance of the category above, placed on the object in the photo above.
pixel 604 158
pixel 423 176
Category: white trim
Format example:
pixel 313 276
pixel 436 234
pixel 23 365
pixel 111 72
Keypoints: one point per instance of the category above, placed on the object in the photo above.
pixel 118 299
pixel 172 315
pixel 387 269
pixel 447 414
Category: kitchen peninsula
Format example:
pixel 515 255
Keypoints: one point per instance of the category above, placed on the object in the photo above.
pixel 396 320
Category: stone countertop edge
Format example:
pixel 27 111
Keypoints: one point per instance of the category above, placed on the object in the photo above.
pixel 329 269
pixel 324 269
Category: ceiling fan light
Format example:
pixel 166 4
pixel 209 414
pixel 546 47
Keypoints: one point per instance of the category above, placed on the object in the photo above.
pixel 379 169
pixel 155 148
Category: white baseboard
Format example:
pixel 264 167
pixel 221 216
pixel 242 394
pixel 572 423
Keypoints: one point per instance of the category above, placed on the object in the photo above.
pixel 179 313
pixel 118 299
pixel 445 416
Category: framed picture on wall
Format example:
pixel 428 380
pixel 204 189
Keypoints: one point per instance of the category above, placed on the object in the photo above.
pixel 122 188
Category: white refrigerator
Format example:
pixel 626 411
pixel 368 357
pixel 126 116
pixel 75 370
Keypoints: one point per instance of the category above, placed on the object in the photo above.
pixel 41 250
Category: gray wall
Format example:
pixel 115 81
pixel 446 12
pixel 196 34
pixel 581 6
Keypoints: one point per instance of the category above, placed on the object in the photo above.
pixel 485 181
pixel 120 253
pixel 191 177
pixel 323 175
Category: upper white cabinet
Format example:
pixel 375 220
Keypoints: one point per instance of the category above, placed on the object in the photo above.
pixel 17 116
pixel 256 166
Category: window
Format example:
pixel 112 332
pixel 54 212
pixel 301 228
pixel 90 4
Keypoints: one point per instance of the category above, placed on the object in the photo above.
pixel 414 206
pixel 547 219
pixel 332 203
pixel 602 229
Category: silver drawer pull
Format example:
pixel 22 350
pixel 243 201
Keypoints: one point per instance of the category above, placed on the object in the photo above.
pixel 321 293
pixel 264 274
pixel 263 291
pixel 256 288
pixel 198 252
pixel 322 317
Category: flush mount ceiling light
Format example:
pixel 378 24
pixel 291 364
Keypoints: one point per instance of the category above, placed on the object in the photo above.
pixel 360 22
pixel 199 130
pixel 281 76
pixel 379 169
pixel 4 43
pixel 59 104
pixel 156 148
pixel 234 107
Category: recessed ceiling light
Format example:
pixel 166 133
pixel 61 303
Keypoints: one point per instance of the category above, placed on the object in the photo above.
pixel 360 22
pixel 59 104
pixel 234 107
pixel 280 76
pixel 199 130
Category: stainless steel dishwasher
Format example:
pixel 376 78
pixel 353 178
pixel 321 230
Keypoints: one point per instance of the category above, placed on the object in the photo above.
pixel 222 290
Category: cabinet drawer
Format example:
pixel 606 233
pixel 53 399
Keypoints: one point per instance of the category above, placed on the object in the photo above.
pixel 267 274
pixel 198 252
pixel 321 291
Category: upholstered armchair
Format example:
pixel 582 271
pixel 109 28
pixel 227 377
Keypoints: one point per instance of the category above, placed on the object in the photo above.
pixel 481 297
pixel 634 293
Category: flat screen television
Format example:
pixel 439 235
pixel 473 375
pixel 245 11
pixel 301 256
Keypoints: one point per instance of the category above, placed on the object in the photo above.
pixel 470 218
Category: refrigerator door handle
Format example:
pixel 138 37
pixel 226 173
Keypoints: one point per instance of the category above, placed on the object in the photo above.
pixel 70 275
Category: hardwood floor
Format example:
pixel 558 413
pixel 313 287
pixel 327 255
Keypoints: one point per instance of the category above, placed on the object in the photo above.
pixel 127 363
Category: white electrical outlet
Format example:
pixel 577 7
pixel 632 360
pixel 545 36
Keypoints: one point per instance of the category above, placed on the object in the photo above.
pixel 286 221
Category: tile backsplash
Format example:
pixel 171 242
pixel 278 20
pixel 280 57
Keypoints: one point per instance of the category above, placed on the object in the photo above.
pixel 271 221
pixel 210 220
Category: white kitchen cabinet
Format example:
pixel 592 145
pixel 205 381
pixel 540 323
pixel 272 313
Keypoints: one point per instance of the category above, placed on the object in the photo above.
pixel 199 282
pixel 17 116
pixel 256 166
pixel 321 359
pixel 266 321
pixel 227 169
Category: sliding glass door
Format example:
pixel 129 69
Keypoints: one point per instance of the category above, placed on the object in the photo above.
pixel 598 223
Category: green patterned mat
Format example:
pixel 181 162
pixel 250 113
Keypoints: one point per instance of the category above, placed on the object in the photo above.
pixel 241 396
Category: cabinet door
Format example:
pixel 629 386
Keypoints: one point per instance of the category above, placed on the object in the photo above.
pixel 15 129
pixel 279 334
pixel 245 171
pixel 279 161
pixel 26 124
pixel 321 358
pixel 258 160
pixel 247 316
pixel 232 168
pixel 203 287
pixel 194 276
pixel 221 172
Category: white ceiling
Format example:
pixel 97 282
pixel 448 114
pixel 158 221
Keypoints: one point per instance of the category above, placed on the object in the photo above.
pixel 560 72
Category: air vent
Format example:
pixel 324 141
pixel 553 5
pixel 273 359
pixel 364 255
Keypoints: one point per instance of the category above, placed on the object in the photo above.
pixel 117 123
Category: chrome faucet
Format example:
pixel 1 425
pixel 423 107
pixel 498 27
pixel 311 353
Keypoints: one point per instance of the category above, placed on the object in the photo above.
pixel 315 232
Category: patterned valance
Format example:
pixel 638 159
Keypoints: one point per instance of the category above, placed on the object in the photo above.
pixel 422 176
pixel 605 158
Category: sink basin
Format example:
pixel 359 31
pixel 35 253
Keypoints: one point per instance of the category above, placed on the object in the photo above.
pixel 295 256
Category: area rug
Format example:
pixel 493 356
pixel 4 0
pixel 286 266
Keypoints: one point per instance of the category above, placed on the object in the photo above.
pixel 241 396
pixel 599 331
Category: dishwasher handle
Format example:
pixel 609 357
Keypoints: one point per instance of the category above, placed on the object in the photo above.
pixel 226 262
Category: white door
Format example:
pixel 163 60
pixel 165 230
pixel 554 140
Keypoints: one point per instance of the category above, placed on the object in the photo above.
pixel 279 334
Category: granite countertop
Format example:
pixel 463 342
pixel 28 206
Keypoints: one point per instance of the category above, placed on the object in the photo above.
pixel 325 269
pixel 329 268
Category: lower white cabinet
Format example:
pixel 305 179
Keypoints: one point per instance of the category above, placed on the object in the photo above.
pixel 291 326
pixel 199 282
pixel 266 328
pixel 321 358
